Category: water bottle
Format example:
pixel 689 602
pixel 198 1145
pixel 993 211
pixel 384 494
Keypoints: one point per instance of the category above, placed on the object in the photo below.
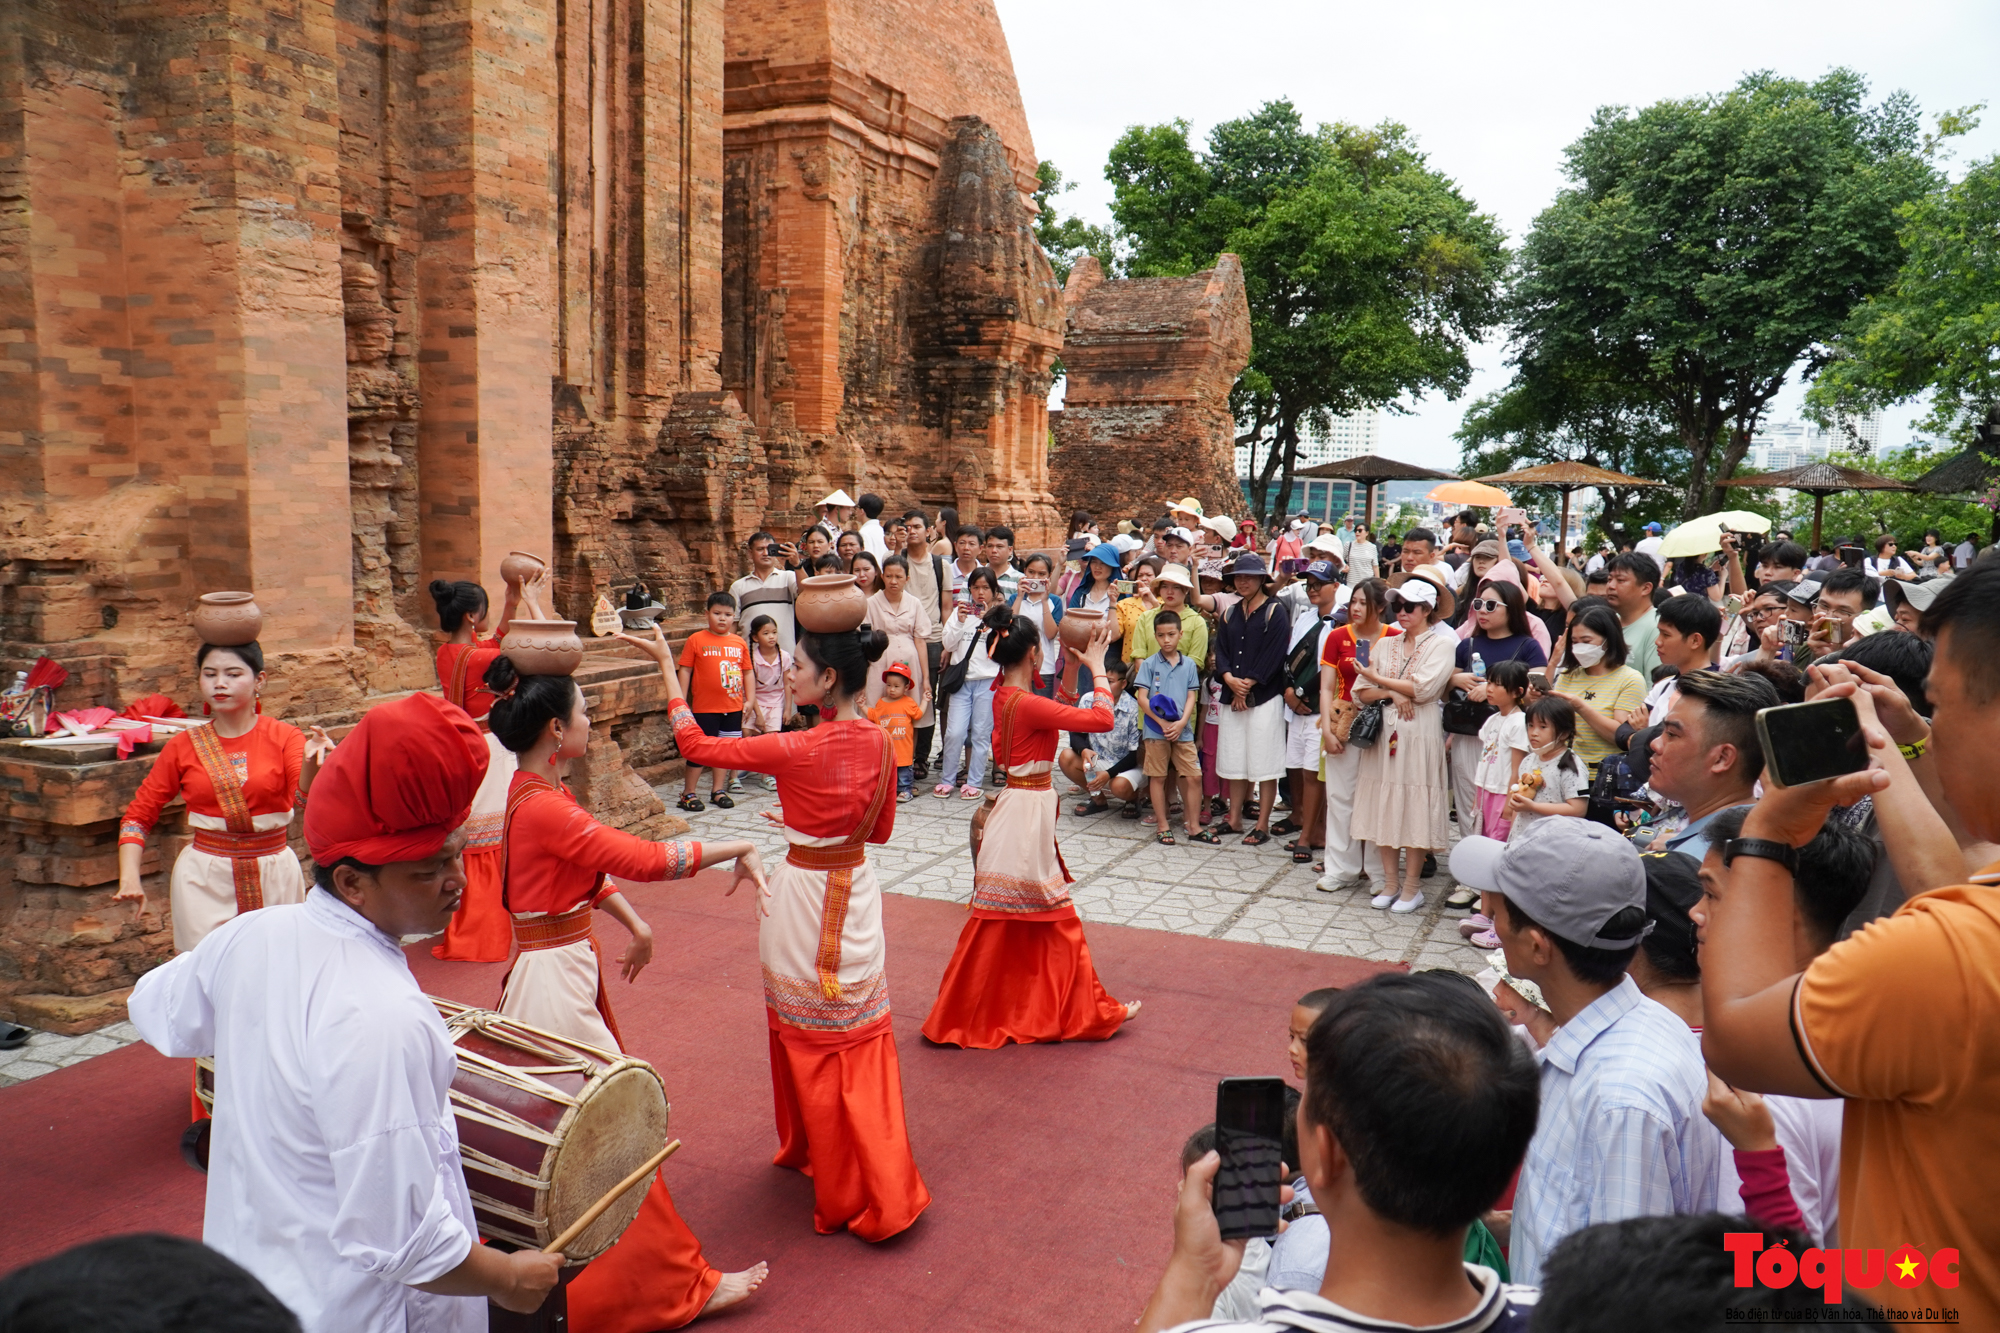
pixel 1478 667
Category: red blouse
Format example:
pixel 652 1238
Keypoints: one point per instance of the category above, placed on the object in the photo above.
pixel 267 759
pixel 1338 652
pixel 1039 723
pixel 468 690
pixel 558 856
pixel 826 777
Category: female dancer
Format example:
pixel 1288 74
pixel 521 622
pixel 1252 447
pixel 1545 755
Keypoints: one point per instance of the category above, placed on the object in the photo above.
pixel 1022 969
pixel 834 1074
pixel 242 775
pixel 554 874
pixel 480 931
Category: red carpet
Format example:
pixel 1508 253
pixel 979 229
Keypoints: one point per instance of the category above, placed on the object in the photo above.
pixel 1053 1167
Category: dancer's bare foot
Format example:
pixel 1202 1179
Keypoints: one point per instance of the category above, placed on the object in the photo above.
pixel 1132 1010
pixel 735 1288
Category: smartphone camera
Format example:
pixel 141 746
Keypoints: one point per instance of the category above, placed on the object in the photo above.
pixel 1249 1137
pixel 1811 742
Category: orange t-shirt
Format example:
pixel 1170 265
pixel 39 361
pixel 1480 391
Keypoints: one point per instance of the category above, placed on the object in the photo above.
pixel 899 717
pixel 717 665
pixel 1903 1019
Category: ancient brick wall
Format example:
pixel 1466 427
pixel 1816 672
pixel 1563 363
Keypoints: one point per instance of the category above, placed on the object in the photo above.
pixel 888 319
pixel 1149 364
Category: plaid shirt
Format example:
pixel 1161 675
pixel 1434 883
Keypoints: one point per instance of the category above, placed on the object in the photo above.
pixel 1621 1131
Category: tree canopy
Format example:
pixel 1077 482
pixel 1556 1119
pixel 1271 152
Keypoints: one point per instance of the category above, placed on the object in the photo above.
pixel 1709 247
pixel 1367 272
pixel 1937 326
pixel 1065 240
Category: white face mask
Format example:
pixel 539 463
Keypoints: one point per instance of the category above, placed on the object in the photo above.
pixel 1588 654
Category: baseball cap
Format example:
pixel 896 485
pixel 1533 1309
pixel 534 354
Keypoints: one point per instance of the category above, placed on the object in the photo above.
pixel 1919 595
pixel 1184 534
pixel 1323 571
pixel 1414 589
pixel 900 669
pixel 1673 886
pixel 1570 875
pixel 1654 527
pixel 1126 543
pixel 1222 525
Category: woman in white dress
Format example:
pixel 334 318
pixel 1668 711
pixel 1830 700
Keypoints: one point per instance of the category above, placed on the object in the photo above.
pixel 905 619
pixel 1403 793
pixel 1363 557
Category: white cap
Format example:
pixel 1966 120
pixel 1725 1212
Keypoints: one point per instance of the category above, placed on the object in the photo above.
pixel 839 498
pixel 1183 534
pixel 1126 543
pixel 1417 590
pixel 1222 525
pixel 1327 542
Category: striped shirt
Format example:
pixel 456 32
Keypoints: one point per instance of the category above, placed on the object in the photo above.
pixel 1621 1131
pixel 1502 1308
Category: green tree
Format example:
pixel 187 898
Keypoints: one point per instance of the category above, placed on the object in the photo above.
pixel 1066 240
pixel 1367 273
pixel 1709 247
pixel 1937 327
pixel 1580 415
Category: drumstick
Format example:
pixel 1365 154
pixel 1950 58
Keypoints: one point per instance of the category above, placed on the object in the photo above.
pixel 611 1196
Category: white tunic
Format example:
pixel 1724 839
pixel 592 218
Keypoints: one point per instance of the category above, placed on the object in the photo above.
pixel 334 1172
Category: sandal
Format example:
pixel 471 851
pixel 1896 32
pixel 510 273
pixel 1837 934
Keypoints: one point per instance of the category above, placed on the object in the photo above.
pixel 942 791
pixel 1256 837
pixel 1166 840
pixel 1319 867
pixel 1286 825
pixel 1096 807
pixel 1207 835
pixel 721 801
pixel 1301 856
pixel 691 803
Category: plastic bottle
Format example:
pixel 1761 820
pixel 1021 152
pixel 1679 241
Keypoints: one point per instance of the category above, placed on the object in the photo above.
pixel 1478 667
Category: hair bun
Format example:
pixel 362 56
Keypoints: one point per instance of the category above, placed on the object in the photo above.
pixel 873 642
pixel 440 590
pixel 501 674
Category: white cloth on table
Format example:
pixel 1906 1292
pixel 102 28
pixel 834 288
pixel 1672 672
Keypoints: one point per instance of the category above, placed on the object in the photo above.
pixel 333 1171
pixel 1250 744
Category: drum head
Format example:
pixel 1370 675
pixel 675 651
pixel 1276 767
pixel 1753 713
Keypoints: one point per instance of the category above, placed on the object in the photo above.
pixel 620 1123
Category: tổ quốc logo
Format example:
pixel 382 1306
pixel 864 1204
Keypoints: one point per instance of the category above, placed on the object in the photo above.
pixel 1832 1271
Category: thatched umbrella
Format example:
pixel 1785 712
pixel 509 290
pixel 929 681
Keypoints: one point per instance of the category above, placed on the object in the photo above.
pixel 1968 472
pixel 1566 477
pixel 1371 470
pixel 1820 480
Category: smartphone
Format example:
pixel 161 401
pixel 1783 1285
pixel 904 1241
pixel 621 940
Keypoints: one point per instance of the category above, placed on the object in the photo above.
pixel 1809 742
pixel 1125 587
pixel 1032 586
pixel 1538 681
pixel 1249 1136
pixel 1852 556
pixel 1797 632
pixel 1732 605
pixel 1293 565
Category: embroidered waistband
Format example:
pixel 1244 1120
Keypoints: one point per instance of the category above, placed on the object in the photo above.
pixel 841 857
pixel 553 932
pixel 241 846
pixel 1033 782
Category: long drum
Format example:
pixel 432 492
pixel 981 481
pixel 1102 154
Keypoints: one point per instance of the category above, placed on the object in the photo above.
pixel 546 1125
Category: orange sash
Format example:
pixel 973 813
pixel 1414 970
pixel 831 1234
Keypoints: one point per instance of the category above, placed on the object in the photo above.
pixel 552 932
pixel 247 879
pixel 840 877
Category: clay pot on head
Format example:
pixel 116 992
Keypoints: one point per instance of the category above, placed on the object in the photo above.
pixel 519 567
pixel 830 604
pixel 1077 625
pixel 227 619
pixel 543 647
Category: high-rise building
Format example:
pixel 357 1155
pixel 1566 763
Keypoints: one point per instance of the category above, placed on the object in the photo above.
pixel 1347 437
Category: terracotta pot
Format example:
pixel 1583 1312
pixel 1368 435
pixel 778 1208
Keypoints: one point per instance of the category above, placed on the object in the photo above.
pixel 1077 625
pixel 830 604
pixel 543 647
pixel 227 619
pixel 519 567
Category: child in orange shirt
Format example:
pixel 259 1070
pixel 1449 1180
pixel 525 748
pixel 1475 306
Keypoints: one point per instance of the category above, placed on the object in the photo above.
pixel 715 676
pixel 897 713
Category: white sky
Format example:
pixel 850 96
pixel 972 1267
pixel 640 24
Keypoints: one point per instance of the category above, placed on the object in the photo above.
pixel 1493 92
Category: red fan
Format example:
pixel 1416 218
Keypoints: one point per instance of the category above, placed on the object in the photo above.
pixel 47 674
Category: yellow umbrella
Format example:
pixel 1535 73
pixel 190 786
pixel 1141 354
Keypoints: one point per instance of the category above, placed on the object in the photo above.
pixel 1470 493
pixel 1702 536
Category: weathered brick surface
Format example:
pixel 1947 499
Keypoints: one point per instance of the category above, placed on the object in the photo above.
pixel 1145 417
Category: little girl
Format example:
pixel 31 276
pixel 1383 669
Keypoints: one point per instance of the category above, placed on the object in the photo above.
pixel 1550 780
pixel 1503 743
pixel 771 666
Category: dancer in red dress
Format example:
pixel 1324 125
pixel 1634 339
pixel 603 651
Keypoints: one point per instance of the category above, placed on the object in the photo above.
pixel 1022 969
pixel 557 859
pixel 834 1073
pixel 480 931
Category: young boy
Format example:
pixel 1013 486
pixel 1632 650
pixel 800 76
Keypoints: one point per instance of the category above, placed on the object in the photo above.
pixel 1310 1006
pixel 1688 628
pixel 714 671
pixel 1166 685
pixel 897 713
pixel 1117 751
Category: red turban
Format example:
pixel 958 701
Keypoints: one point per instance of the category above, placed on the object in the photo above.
pixel 398 786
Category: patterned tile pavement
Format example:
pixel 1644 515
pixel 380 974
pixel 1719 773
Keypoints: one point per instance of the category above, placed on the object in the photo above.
pixel 1123 877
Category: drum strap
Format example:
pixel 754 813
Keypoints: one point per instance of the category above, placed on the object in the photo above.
pixel 840 880
pixel 245 877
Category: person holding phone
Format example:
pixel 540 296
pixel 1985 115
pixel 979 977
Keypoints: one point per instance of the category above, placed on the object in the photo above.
pixel 969 715
pixel 1604 690
pixel 1022 970
pixel 1404 790
pixel 769 589
pixel 1347 648
pixel 1035 599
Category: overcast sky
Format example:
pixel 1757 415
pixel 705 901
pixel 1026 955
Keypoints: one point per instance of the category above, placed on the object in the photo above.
pixel 1493 92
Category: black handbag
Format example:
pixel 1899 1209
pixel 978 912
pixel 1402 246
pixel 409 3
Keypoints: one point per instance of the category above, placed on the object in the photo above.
pixel 1462 716
pixel 1366 728
pixel 951 679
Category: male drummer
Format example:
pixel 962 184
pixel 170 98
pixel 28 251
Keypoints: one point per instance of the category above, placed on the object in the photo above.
pixel 334 1171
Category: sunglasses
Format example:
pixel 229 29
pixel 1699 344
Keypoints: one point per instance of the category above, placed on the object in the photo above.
pixel 1395 605
pixel 1488 604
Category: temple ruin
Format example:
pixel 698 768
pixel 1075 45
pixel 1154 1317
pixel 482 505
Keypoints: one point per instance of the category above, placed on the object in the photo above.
pixel 326 301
